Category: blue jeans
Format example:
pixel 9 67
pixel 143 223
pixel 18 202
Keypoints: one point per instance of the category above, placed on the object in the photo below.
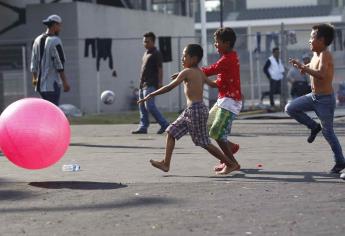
pixel 149 107
pixel 323 106
pixel 52 96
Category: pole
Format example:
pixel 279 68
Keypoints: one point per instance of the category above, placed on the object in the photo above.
pixel 251 72
pixel 98 93
pixel 258 71
pixel 25 86
pixel 203 31
pixel 148 5
pixel 204 45
pixel 284 85
pixel 221 13
pixel 179 69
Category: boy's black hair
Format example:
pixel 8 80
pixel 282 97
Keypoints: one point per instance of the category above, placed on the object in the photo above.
pixel 325 31
pixel 226 34
pixel 150 35
pixel 195 50
pixel 275 49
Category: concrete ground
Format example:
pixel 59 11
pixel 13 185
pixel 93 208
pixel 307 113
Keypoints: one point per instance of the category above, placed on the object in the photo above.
pixel 282 189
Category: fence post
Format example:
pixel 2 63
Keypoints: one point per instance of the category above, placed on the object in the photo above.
pixel 25 85
pixel 251 70
pixel 284 86
pixel 204 46
pixel 2 95
pixel 258 71
pixel 179 69
pixel 98 92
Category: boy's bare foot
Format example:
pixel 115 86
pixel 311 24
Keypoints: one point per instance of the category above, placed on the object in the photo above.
pixel 219 167
pixel 228 169
pixel 235 147
pixel 160 165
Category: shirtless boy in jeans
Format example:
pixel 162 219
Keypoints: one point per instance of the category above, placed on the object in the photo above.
pixel 321 100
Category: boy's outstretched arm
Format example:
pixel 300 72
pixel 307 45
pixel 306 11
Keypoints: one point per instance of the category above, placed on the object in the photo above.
pixel 181 76
pixel 174 76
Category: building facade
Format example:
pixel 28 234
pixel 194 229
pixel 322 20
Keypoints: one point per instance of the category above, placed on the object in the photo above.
pixel 113 64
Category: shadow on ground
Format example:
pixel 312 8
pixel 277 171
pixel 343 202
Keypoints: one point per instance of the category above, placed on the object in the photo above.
pixel 119 204
pixel 78 185
pixel 259 175
pixel 112 146
pixel 14 195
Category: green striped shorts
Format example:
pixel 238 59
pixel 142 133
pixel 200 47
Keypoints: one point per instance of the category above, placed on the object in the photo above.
pixel 220 122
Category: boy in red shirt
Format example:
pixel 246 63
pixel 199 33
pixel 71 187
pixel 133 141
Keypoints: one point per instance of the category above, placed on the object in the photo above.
pixel 229 102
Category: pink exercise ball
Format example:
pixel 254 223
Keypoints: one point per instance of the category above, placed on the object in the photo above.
pixel 34 133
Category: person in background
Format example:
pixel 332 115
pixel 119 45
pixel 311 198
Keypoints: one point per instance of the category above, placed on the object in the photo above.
pixel 299 81
pixel 48 62
pixel 274 71
pixel 151 79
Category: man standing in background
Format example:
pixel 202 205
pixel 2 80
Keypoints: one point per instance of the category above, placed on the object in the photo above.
pixel 151 80
pixel 274 71
pixel 47 62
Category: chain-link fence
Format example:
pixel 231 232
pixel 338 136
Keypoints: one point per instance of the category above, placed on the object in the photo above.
pixel 87 83
pixel 92 66
pixel 254 48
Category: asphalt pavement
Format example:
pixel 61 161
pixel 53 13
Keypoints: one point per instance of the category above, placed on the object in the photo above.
pixel 283 187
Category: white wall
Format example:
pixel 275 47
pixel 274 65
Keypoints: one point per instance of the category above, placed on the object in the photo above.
pixel 251 4
pixel 126 27
pixel 118 23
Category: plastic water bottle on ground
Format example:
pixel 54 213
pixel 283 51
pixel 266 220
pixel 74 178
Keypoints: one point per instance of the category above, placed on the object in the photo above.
pixel 71 167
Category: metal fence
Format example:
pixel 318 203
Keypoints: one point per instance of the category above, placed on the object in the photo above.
pixel 253 49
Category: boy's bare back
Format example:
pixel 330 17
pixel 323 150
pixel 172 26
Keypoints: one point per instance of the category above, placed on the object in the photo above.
pixel 193 84
pixel 324 62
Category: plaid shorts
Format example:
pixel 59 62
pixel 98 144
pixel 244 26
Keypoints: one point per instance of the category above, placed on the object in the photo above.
pixel 220 122
pixel 193 120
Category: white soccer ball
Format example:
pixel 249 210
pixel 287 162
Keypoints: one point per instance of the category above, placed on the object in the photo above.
pixel 108 97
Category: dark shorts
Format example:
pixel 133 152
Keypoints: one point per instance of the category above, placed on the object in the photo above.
pixel 193 120
pixel 52 96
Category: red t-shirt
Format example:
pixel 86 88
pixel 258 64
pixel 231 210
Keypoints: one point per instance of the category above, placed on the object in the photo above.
pixel 227 69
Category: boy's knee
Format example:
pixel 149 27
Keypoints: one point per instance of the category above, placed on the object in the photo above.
pixel 169 136
pixel 327 131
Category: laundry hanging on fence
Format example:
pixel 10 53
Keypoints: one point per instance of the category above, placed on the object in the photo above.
pixel 90 43
pixel 258 42
pixel 291 37
pixel 165 48
pixel 101 49
pixel 272 37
